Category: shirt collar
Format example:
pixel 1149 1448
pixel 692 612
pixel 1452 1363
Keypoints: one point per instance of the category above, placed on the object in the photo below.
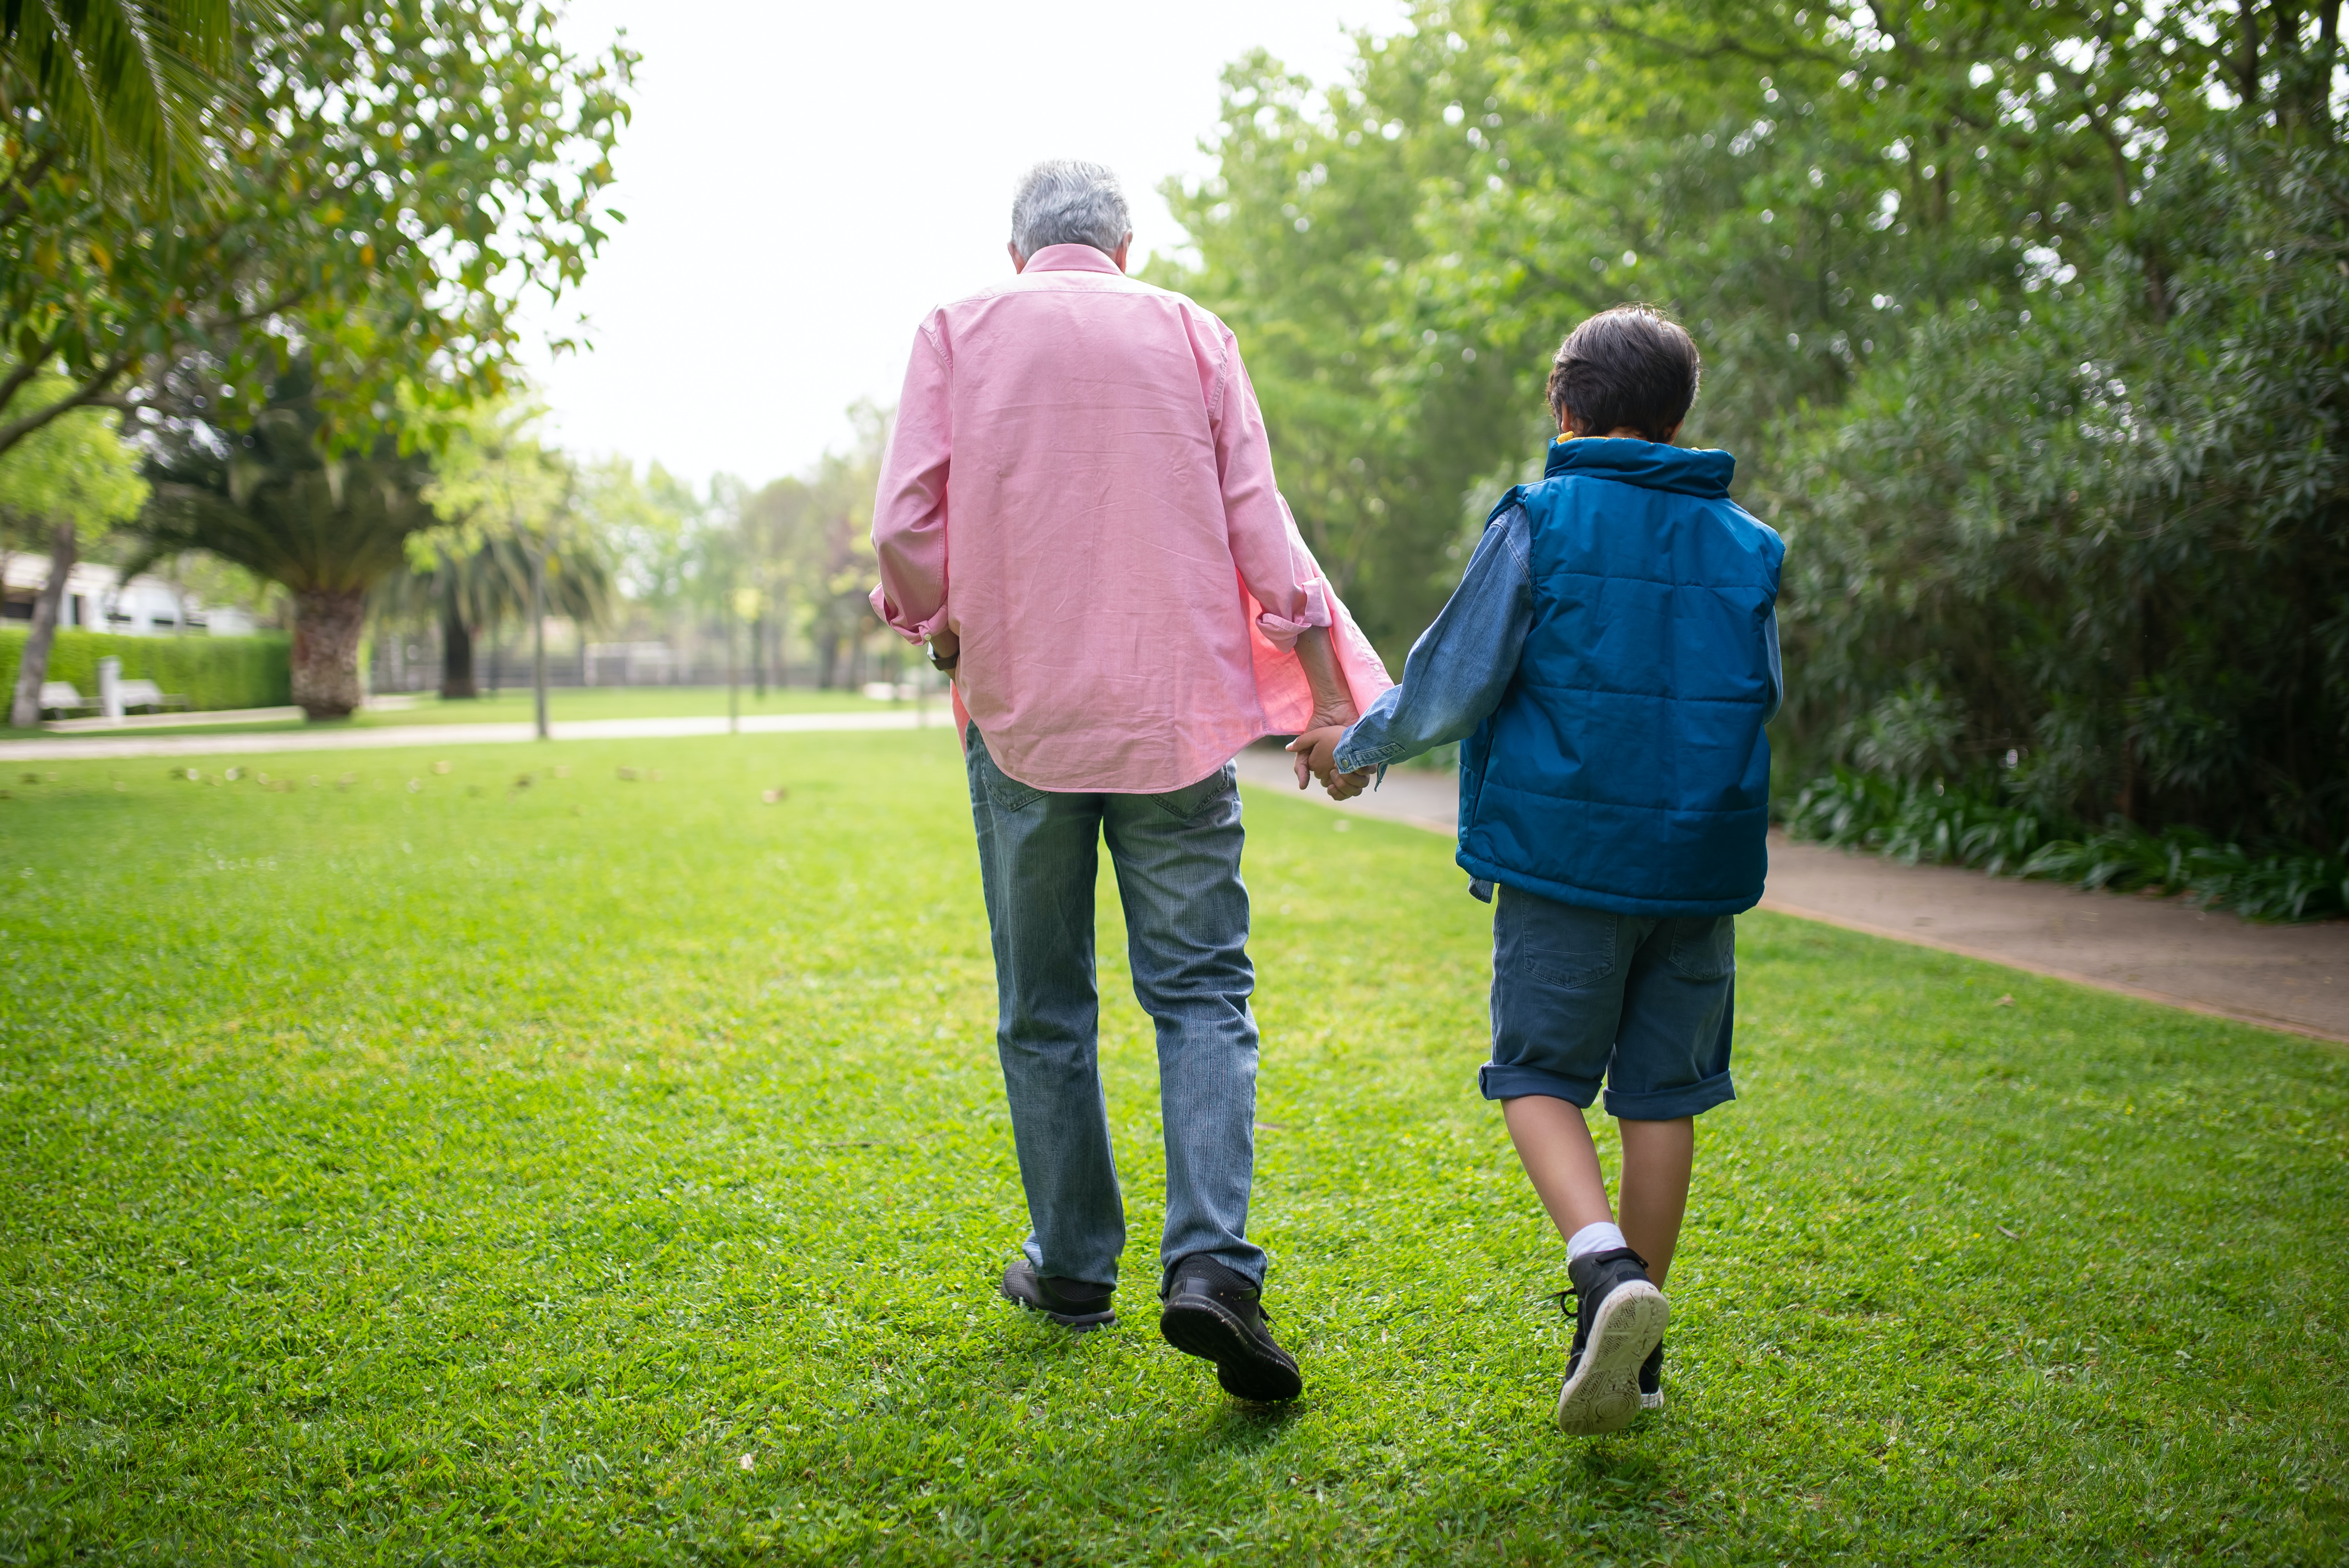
pixel 1071 259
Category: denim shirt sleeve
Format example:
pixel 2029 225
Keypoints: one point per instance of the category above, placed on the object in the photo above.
pixel 1461 664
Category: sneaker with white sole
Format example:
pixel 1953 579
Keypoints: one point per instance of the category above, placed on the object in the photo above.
pixel 1652 1379
pixel 1619 1323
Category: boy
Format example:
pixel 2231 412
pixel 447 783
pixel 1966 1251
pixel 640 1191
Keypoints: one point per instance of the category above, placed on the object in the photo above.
pixel 1610 659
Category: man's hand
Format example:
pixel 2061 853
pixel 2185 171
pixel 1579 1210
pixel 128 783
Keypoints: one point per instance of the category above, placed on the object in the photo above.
pixel 1316 752
pixel 946 650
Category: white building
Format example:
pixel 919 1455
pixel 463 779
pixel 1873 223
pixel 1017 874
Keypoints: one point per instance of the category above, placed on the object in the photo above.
pixel 98 600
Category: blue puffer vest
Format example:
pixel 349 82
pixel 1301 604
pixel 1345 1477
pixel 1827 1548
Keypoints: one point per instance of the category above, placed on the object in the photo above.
pixel 1626 768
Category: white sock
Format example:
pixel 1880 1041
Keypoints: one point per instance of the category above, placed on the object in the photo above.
pixel 1601 1237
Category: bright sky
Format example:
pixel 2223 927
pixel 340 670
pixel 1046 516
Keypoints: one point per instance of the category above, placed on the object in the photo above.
pixel 803 181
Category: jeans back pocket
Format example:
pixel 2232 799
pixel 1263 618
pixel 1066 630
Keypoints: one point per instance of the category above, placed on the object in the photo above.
pixel 1705 948
pixel 1560 943
pixel 1007 793
pixel 1191 798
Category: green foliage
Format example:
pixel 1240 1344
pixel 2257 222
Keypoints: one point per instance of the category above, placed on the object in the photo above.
pixel 395 183
pixel 212 672
pixel 794 556
pixel 272 499
pixel 512 506
pixel 577 1138
pixel 2024 322
pixel 490 584
pixel 121 82
pixel 2114 544
pixel 1970 825
pixel 73 470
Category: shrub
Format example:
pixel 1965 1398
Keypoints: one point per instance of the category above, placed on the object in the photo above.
pixel 212 672
pixel 1945 824
pixel 2101 544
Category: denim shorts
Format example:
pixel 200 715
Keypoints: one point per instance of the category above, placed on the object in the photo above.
pixel 1643 1003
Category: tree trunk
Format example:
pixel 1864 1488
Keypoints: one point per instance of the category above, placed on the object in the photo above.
pixel 326 627
pixel 456 656
pixel 759 655
pixel 25 711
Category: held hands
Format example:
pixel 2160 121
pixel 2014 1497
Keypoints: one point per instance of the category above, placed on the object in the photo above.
pixel 1315 755
pixel 1316 749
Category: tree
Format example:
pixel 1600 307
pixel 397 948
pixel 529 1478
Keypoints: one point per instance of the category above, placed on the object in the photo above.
pixel 270 498
pixel 774 524
pixel 509 496
pixel 394 182
pixel 835 566
pixel 124 83
pixel 2018 316
pixel 2097 551
pixel 469 588
pixel 72 482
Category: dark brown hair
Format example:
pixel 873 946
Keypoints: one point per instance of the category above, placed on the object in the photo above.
pixel 1630 365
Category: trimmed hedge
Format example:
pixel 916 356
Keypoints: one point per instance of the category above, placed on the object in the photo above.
pixel 211 672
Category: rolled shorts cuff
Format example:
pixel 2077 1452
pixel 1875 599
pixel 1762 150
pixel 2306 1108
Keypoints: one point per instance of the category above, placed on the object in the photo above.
pixel 1672 1104
pixel 1502 1080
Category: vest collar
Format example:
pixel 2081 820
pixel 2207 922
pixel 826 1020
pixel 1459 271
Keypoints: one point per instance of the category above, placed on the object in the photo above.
pixel 1651 465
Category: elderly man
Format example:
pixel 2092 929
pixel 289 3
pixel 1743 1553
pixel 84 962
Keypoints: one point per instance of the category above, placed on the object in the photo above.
pixel 1077 513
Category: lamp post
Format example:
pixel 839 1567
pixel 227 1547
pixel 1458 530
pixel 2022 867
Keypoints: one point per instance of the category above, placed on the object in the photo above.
pixel 538 629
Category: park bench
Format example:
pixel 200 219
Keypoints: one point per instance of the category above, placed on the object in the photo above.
pixel 60 697
pixel 147 695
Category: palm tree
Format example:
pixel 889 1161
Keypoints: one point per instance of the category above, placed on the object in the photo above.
pixel 125 83
pixel 269 500
pixel 470 592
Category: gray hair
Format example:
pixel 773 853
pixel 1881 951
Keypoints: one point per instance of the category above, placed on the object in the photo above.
pixel 1067 201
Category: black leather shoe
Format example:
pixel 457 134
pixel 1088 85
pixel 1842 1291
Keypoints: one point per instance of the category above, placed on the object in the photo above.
pixel 1618 1321
pixel 1212 1312
pixel 1071 1303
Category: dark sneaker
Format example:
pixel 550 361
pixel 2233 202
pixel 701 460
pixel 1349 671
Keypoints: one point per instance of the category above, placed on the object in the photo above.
pixel 1652 1379
pixel 1212 1313
pixel 1072 1303
pixel 1618 1321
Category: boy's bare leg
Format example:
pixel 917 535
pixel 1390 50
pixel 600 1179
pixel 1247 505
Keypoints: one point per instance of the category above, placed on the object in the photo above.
pixel 1657 1158
pixel 1554 1145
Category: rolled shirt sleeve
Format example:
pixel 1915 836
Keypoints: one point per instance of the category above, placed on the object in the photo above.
pixel 910 508
pixel 1273 564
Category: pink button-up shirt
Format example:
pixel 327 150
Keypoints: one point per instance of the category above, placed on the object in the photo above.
pixel 1079 488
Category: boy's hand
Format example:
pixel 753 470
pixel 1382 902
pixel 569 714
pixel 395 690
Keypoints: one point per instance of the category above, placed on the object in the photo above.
pixel 1316 752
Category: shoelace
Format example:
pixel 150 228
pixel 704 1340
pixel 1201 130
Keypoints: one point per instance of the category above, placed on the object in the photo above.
pixel 1569 1303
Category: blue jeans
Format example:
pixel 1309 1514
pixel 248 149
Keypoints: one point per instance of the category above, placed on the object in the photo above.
pixel 1186 916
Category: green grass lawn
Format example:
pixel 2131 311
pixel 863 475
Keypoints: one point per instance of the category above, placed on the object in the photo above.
pixel 564 704
pixel 600 1169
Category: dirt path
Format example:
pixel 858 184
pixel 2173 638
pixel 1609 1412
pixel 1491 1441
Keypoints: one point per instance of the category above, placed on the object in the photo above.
pixel 2292 977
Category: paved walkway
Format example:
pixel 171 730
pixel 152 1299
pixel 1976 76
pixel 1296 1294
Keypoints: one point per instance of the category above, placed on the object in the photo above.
pixel 2292 977
pixel 219 743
